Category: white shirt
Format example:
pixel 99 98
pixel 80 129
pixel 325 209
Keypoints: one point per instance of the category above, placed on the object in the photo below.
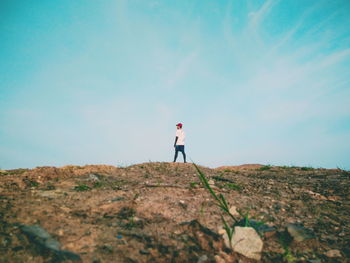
pixel 180 134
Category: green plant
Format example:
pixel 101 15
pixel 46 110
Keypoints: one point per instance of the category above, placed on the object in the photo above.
pixel 50 187
pixel 82 187
pixel 147 174
pixel 193 184
pixel 285 240
pixel 265 167
pixel 97 184
pixel 220 202
pixel 33 183
pixel 288 256
pixel 232 186
pixel 306 168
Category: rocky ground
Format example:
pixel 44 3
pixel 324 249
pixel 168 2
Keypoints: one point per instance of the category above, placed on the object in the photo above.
pixel 160 212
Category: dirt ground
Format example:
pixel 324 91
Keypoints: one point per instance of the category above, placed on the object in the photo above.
pixel 160 212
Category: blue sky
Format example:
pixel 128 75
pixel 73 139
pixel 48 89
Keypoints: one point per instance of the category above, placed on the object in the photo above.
pixel 105 82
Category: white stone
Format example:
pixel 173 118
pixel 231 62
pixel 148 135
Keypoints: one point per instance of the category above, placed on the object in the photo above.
pixel 334 253
pixel 219 259
pixel 247 242
pixel 93 177
pixel 223 233
pixel 233 211
pixel 202 259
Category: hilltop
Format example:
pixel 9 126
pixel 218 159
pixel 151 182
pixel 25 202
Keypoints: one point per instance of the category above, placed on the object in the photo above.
pixel 160 212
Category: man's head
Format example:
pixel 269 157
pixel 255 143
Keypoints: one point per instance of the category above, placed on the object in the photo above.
pixel 179 125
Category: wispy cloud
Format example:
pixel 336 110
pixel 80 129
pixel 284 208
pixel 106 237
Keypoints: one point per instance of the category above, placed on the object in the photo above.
pixel 181 70
pixel 256 17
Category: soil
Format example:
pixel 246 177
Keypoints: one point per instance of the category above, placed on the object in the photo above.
pixel 160 212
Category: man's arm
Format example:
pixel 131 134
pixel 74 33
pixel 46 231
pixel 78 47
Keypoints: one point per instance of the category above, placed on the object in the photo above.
pixel 175 141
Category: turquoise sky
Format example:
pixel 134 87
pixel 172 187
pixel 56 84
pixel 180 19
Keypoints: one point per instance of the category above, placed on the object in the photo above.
pixel 91 82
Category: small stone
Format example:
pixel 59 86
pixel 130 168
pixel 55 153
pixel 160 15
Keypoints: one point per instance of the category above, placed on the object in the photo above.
pixel 233 211
pixel 219 259
pixel 183 204
pixel 202 259
pixel 60 232
pixel 93 177
pixel 144 252
pixel 137 219
pixel 118 198
pixel 333 253
pixel 333 198
pixel 42 239
pixel 247 242
pixel 211 182
pixel 269 234
pixel 223 232
pixel 299 233
pixel 39 235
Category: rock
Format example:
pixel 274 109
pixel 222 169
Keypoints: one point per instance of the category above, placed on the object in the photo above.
pixel 219 259
pixel 246 241
pixel 271 232
pixel 118 198
pixel 43 240
pixel 60 232
pixel 233 211
pixel 202 259
pixel 223 258
pixel 261 228
pixel 299 233
pixel 50 194
pixel 333 198
pixel 39 236
pixel 223 233
pixel 183 204
pixel 94 177
pixel 144 252
pixel 333 253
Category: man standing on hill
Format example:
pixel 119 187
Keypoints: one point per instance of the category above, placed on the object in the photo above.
pixel 179 142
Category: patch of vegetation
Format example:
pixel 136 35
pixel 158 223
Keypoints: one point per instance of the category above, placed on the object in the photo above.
pixel 97 184
pixel 82 188
pixel 265 168
pixel 50 187
pixel 288 256
pixel 222 179
pixel 30 183
pixel 233 186
pixel 285 240
pixel 117 185
pixel 147 175
pixel 193 184
pixel 126 212
pixel 227 171
pixel 15 171
pixel 307 168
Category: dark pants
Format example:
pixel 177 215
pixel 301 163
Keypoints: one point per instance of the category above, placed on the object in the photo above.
pixel 180 148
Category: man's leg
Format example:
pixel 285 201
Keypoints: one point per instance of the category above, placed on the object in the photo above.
pixel 183 153
pixel 176 152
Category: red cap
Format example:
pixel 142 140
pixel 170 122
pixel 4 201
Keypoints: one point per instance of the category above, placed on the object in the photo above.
pixel 179 124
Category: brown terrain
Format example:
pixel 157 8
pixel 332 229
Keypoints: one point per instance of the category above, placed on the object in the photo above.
pixel 160 212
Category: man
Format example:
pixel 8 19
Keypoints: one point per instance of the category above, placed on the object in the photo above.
pixel 179 142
